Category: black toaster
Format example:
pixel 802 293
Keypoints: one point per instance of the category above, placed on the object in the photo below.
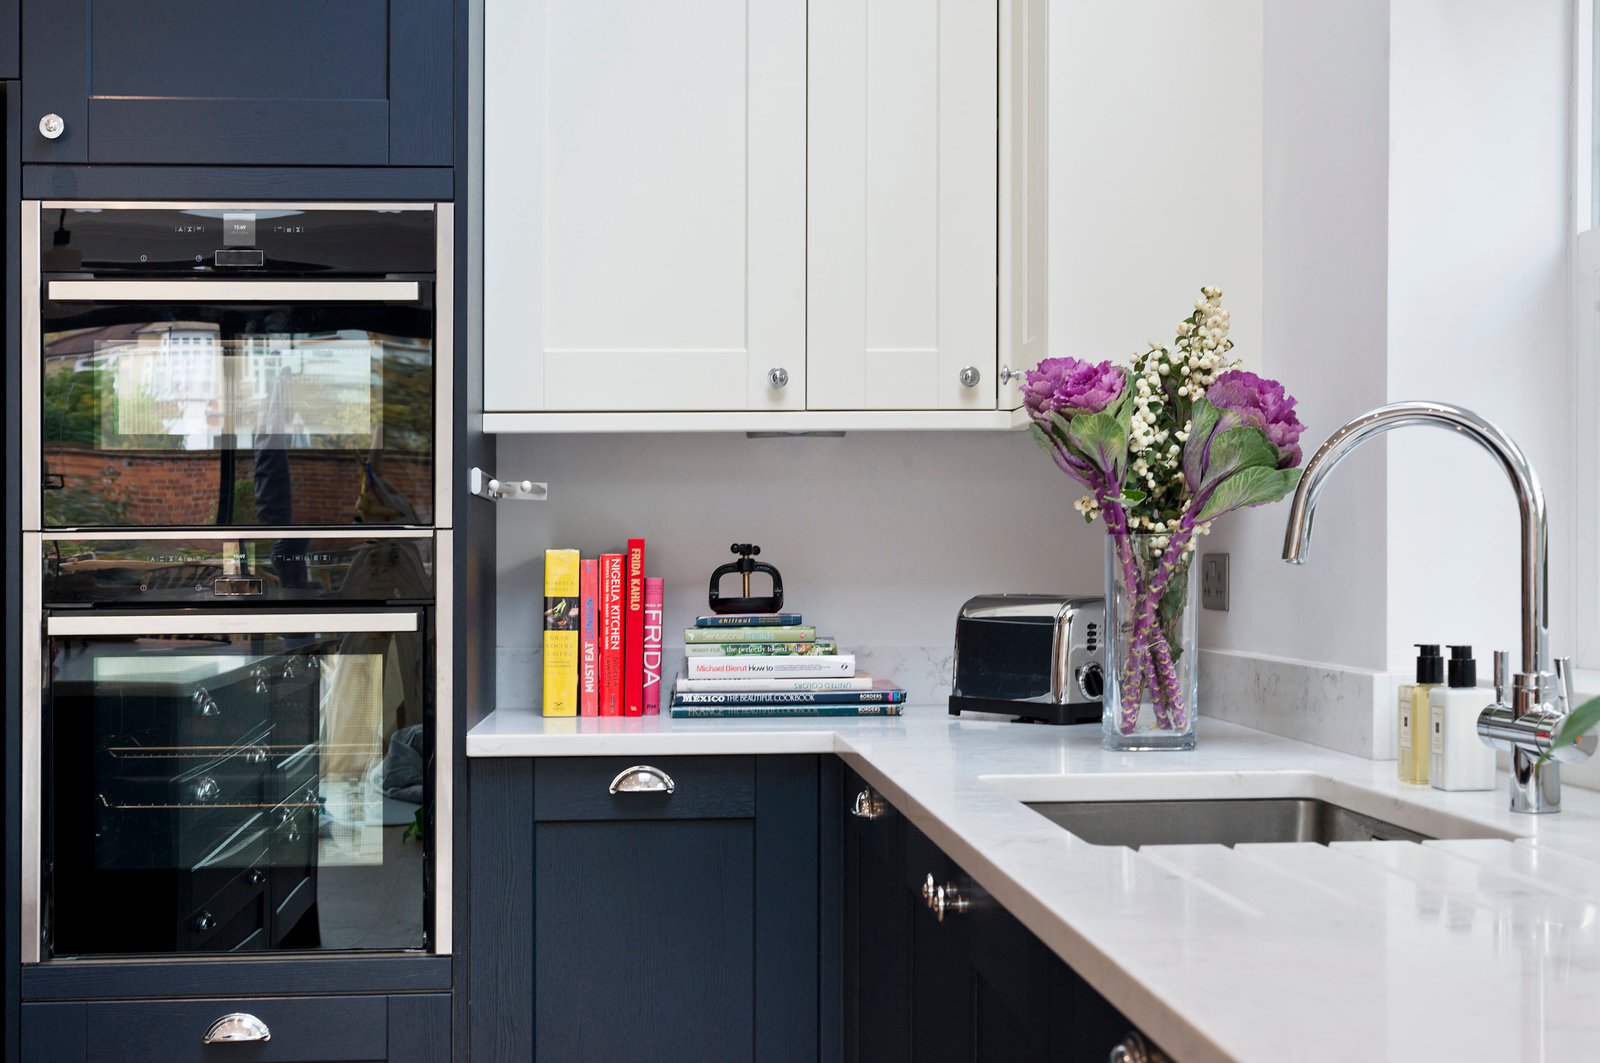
pixel 1034 656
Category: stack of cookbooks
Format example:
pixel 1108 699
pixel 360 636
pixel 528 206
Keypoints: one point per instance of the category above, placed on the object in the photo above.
pixel 772 664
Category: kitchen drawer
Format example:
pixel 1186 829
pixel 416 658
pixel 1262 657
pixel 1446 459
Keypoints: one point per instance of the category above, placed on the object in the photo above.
pixel 402 1028
pixel 303 1030
pixel 578 788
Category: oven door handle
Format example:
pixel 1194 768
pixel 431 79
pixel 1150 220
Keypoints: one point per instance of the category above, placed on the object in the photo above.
pixel 236 291
pixel 233 623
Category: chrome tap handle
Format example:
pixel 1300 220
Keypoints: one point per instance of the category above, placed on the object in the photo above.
pixel 1563 691
pixel 1502 677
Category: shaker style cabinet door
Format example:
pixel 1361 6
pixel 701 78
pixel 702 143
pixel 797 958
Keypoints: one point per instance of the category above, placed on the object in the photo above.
pixel 10 31
pixel 645 204
pixel 902 201
pixel 234 82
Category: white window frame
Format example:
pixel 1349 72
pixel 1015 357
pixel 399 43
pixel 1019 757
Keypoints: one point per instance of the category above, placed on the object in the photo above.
pixel 1584 330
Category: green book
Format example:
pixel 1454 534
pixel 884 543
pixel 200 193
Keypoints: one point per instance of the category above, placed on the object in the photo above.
pixel 797 633
pixel 760 649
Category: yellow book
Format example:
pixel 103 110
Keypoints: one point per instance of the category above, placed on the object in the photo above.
pixel 561 632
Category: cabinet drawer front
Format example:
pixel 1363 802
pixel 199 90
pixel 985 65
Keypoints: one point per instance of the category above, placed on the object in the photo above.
pixel 702 788
pixel 303 1030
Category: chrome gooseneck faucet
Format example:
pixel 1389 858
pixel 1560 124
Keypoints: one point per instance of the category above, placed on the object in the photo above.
pixel 1526 722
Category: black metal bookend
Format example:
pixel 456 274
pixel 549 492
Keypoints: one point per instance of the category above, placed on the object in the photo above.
pixel 744 567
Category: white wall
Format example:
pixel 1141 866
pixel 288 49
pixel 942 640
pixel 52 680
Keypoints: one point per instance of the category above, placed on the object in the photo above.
pixel 1325 207
pixel 1478 309
pixel 1155 170
pixel 882 536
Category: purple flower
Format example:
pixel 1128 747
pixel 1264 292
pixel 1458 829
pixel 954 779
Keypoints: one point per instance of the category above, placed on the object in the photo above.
pixel 1069 386
pixel 1260 403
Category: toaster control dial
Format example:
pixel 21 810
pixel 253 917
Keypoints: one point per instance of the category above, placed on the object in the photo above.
pixel 1091 681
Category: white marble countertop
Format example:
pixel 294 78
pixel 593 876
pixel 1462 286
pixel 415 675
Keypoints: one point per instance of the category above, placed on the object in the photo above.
pixel 1450 950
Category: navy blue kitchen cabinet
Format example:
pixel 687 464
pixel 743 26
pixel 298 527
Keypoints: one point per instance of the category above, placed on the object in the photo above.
pixel 972 986
pixel 237 82
pixel 647 924
pixel 409 1028
pixel 10 29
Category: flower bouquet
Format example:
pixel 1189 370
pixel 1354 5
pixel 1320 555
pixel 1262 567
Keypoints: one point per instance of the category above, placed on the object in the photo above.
pixel 1165 446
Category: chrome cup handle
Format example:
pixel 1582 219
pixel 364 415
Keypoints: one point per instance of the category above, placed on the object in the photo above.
pixel 236 1026
pixel 642 779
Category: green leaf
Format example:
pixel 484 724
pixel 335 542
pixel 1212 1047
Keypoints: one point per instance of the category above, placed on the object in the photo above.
pixel 1202 422
pixel 1235 450
pixel 1575 725
pixel 1253 486
pixel 1102 440
pixel 1131 496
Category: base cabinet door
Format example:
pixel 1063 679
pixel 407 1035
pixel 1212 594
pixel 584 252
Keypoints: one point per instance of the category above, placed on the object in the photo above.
pixel 937 970
pixel 402 1028
pixel 647 923
pixel 878 911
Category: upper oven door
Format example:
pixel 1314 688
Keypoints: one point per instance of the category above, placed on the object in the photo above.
pixel 226 399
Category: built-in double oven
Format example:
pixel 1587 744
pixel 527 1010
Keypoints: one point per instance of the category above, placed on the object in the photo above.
pixel 237 687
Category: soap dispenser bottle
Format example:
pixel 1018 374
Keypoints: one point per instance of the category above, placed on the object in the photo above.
pixel 1413 711
pixel 1457 758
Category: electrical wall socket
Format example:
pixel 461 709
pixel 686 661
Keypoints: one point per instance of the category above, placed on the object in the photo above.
pixel 1214 581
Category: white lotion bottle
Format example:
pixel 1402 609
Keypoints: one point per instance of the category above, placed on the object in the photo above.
pixel 1458 759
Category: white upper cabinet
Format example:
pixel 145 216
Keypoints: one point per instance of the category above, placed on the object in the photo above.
pixel 761 213
pixel 644 204
pixel 901 193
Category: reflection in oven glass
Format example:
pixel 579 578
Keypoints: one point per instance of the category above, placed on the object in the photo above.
pixel 238 793
pixel 207 416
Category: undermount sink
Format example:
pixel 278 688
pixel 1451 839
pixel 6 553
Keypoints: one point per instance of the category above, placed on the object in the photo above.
pixel 1219 822
pixel 1232 808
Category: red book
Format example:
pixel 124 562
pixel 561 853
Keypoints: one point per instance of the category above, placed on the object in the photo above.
pixel 633 634
pixel 588 638
pixel 652 646
pixel 611 634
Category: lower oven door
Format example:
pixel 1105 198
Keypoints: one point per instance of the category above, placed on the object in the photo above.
pixel 236 782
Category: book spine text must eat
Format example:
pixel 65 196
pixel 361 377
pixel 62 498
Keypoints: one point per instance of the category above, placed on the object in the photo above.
pixel 561 632
pixel 589 638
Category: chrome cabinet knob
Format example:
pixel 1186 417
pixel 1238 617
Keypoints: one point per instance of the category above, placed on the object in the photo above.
pixel 778 377
pixel 868 805
pixel 256 877
pixel 970 376
pixel 1135 1049
pixel 205 922
pixel 928 888
pixel 948 900
pixel 207 789
pixel 204 703
pixel 52 126
pixel 237 1026
pixel 1007 374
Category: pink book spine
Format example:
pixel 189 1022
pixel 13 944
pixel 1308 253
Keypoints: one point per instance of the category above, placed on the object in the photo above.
pixel 589 638
pixel 633 631
pixel 652 646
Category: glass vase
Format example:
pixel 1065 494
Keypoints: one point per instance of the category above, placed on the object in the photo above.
pixel 1151 668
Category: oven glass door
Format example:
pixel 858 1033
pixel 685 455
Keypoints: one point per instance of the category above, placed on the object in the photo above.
pixel 232 783
pixel 192 403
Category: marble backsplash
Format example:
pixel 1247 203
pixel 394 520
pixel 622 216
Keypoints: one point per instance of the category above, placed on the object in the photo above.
pixel 1348 709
